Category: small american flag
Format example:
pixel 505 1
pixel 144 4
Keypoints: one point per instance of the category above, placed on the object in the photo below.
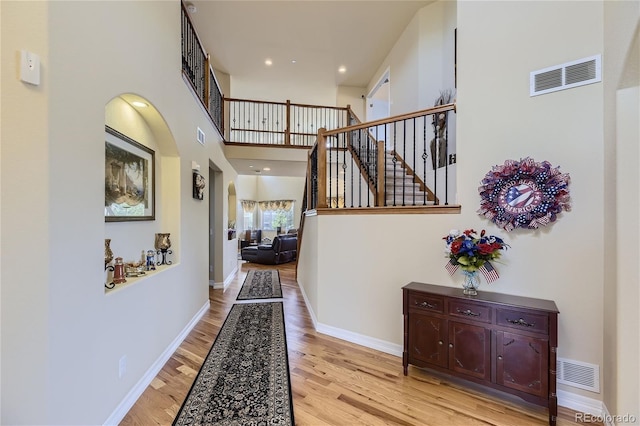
pixel 489 272
pixel 451 267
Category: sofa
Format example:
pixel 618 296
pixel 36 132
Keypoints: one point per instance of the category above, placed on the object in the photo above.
pixel 283 249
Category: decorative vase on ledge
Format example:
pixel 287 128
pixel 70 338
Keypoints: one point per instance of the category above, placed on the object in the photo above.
pixel 162 245
pixel 108 257
pixel 471 283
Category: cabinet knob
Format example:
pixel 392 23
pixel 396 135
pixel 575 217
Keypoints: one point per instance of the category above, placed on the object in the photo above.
pixel 440 342
pixel 450 345
pixel 499 356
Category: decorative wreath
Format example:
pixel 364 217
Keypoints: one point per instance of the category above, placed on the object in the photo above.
pixel 524 194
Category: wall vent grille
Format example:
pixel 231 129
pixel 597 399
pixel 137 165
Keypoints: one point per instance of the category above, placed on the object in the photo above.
pixel 200 136
pixel 565 76
pixel 579 374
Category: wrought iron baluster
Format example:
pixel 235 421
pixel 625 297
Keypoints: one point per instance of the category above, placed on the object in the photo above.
pixel 404 153
pixel 424 155
pixel 446 165
pixel 436 153
pixel 394 160
pixel 414 161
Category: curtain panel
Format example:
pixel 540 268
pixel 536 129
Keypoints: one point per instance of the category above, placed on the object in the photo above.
pixel 248 205
pixel 276 205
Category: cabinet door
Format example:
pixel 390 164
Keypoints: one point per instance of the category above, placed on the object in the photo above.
pixel 523 363
pixel 427 339
pixel 470 350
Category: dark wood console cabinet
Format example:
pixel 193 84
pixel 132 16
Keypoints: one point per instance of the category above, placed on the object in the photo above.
pixel 501 341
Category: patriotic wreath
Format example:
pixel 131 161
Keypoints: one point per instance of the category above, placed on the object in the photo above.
pixel 524 194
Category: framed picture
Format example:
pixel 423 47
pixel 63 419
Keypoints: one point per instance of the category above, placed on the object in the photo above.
pixel 198 186
pixel 129 179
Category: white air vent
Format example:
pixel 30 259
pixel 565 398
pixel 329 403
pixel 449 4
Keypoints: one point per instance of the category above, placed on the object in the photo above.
pixel 200 136
pixel 579 374
pixel 565 76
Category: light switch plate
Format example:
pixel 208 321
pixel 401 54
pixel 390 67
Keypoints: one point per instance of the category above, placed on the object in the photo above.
pixel 29 67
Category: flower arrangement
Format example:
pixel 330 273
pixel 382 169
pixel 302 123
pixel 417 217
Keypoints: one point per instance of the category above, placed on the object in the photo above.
pixel 472 253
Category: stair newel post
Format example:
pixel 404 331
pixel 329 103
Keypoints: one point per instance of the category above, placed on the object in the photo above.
pixel 322 168
pixel 380 173
pixel 308 188
pixel 287 132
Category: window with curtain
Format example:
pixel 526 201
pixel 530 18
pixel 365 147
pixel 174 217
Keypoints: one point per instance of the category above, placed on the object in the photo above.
pixel 276 213
pixel 248 214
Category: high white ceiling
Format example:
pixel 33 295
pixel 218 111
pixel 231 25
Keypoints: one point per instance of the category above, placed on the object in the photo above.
pixel 320 36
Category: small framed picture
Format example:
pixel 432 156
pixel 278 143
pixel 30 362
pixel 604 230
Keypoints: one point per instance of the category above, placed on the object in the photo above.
pixel 198 186
pixel 129 179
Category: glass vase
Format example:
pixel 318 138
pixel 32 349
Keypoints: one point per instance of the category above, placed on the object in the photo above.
pixel 471 283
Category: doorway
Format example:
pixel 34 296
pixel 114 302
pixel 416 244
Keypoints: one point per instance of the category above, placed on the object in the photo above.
pixel 379 99
pixel 379 104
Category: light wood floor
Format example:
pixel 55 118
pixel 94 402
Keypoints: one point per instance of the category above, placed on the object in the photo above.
pixel 334 382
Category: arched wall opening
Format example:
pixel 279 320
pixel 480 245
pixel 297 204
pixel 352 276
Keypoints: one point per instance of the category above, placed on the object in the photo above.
pixel 137 118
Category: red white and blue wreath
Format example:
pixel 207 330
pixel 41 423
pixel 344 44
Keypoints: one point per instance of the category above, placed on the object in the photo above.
pixel 524 194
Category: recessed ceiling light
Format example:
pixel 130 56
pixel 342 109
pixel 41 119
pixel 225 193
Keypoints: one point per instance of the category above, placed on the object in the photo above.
pixel 266 169
pixel 139 104
pixel 251 167
pixel 342 69
pixel 293 61
pixel 268 62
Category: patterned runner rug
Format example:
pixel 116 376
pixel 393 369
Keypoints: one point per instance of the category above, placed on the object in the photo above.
pixel 244 379
pixel 261 284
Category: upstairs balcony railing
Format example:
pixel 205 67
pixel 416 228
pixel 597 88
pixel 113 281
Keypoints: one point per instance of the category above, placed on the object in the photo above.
pixel 279 123
pixel 197 70
pixel 401 161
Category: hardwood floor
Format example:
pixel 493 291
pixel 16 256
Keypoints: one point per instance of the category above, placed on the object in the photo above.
pixel 334 382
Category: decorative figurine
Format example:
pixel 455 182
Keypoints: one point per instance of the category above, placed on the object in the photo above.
pixel 162 245
pixel 118 273
pixel 151 260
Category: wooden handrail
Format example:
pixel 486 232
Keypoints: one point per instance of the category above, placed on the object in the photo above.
pixel 428 111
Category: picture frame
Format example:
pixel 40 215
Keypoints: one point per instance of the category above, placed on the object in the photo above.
pixel 129 179
pixel 199 184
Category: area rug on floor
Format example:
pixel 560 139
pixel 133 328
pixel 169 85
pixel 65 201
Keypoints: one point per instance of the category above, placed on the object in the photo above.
pixel 261 284
pixel 244 379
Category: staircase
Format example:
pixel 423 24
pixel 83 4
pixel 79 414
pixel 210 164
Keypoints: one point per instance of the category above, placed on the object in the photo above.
pixel 402 186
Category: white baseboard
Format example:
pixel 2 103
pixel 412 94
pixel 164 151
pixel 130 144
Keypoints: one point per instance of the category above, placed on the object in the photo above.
pixel 224 285
pixel 125 405
pixel 349 336
pixel 580 403
pixel 312 314
pixel 361 339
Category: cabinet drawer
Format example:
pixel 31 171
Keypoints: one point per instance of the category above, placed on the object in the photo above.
pixel 426 302
pixel 523 320
pixel 462 309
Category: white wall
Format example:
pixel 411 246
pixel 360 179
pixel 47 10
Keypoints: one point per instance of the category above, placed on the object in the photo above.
pixel 62 336
pixel 304 91
pixel 353 96
pixel 26 264
pixel 621 68
pixel 497 120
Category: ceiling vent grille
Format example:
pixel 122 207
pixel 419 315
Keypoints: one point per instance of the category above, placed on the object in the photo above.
pixel 579 374
pixel 565 76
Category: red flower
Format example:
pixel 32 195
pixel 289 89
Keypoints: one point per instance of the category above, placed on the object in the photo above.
pixel 455 246
pixel 487 248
